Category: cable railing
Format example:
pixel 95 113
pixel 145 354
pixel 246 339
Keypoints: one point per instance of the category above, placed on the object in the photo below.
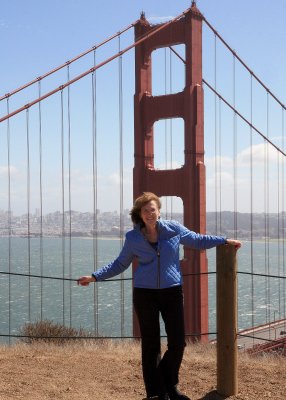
pixel 19 336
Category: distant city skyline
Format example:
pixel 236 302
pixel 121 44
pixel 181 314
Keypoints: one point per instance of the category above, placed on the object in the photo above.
pixel 74 223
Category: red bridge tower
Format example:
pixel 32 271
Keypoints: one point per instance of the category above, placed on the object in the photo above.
pixel 187 182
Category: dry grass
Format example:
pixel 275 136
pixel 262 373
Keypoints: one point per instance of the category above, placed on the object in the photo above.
pixel 109 370
pixel 47 331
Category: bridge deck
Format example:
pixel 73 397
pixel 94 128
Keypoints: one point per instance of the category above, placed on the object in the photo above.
pixel 262 334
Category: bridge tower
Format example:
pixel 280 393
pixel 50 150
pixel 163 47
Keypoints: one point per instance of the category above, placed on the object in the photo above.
pixel 187 182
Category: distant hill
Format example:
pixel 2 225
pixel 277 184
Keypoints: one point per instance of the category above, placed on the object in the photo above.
pixel 246 225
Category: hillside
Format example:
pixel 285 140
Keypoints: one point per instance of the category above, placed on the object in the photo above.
pixel 112 371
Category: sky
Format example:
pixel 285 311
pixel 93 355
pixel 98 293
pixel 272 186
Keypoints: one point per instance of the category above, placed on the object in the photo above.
pixel 38 36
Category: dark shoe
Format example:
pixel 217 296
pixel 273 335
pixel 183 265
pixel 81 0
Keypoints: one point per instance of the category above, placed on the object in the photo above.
pixel 151 398
pixel 161 397
pixel 175 394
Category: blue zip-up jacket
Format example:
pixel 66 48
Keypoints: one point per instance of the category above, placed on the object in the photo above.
pixel 157 269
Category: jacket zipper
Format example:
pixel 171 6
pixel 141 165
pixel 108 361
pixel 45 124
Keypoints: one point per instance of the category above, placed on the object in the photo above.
pixel 158 268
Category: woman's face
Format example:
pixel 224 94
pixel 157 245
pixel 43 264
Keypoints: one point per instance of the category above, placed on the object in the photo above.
pixel 150 213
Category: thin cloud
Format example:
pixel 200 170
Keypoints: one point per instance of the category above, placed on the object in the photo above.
pixel 259 153
pixel 158 20
pixel 4 171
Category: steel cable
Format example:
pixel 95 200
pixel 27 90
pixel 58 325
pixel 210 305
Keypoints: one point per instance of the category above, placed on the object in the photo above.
pixel 28 208
pixel 95 192
pixel 121 216
pixel 69 192
pixel 67 63
pixel 63 251
pixel 9 216
pixel 41 199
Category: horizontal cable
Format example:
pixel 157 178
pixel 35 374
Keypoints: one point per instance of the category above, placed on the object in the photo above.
pixel 67 62
pixel 93 69
pixel 130 279
pixel 37 276
pixel 243 63
pixel 75 280
pixel 265 275
pixel 95 337
pixel 243 118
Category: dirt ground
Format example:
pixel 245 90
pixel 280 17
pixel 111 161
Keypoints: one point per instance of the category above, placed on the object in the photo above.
pixel 113 371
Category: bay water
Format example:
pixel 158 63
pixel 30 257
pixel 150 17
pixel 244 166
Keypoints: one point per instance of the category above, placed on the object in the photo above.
pixel 38 281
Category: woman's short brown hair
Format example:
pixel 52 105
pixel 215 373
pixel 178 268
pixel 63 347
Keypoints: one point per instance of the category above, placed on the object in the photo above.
pixel 139 203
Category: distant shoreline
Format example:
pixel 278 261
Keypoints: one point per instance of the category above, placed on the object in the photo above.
pixel 111 237
pixel 61 236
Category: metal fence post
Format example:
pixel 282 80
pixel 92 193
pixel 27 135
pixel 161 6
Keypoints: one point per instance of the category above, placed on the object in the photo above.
pixel 226 265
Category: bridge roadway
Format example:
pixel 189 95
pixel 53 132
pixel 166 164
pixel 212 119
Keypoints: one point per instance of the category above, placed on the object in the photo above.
pixel 262 334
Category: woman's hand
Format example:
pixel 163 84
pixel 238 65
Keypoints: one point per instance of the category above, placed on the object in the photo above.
pixel 233 242
pixel 85 280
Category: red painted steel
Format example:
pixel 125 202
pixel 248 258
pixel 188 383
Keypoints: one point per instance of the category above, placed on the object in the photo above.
pixel 187 182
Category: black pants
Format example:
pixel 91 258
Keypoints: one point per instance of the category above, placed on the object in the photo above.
pixel 160 373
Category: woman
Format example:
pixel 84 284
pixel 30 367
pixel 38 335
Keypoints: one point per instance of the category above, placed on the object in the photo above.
pixel 157 289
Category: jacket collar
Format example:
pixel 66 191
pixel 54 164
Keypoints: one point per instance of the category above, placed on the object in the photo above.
pixel 160 223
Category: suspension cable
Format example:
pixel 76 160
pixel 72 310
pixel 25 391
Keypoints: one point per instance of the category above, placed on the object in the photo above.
pixel 67 63
pixel 251 203
pixel 121 221
pixel 243 63
pixel 100 65
pixel 283 207
pixel 28 207
pixel 95 192
pixel 266 191
pixel 220 168
pixel 234 153
pixel 41 199
pixel 69 192
pixel 9 216
pixel 278 228
pixel 63 201
pixel 171 125
pixel 166 125
pixel 215 133
pixel 244 119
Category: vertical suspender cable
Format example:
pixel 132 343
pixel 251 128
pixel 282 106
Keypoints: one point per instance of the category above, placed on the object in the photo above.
pixel 278 235
pixel 28 208
pixel 63 202
pixel 171 126
pixel 9 222
pixel 70 200
pixel 251 204
pixel 234 151
pixel 265 236
pixel 41 201
pixel 215 129
pixel 283 219
pixel 166 124
pixel 220 169
pixel 266 216
pixel 95 206
pixel 121 224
